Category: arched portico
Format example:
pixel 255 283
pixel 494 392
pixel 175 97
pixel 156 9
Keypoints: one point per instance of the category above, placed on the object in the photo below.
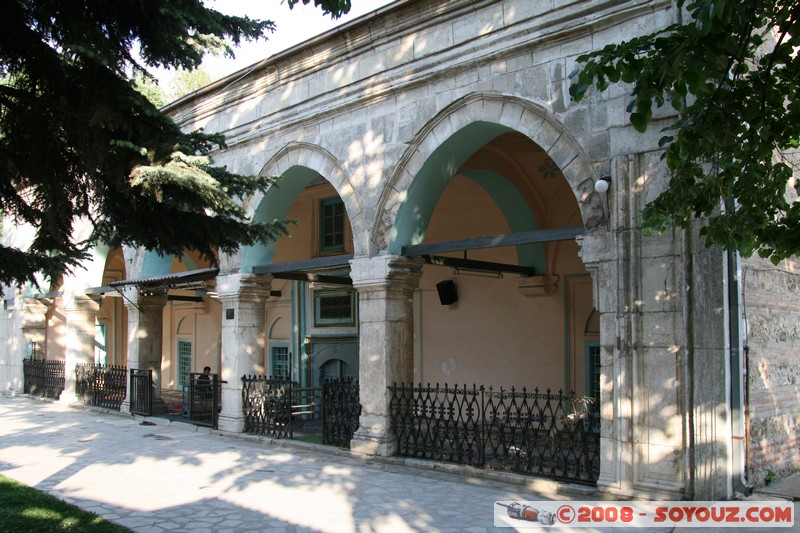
pixel 480 118
pixel 482 140
pixel 298 165
pixel 312 182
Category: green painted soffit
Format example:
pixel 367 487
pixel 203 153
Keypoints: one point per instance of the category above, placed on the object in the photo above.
pixel 155 265
pixel 274 206
pixel 415 212
pixel 517 212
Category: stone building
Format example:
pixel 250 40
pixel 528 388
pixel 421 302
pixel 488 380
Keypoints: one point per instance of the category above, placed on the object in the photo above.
pixel 448 229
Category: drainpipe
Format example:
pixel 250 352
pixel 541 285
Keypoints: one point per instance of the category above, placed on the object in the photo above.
pixel 738 373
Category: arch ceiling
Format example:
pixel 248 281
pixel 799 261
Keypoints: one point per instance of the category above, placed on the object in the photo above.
pixel 507 136
pixel 300 165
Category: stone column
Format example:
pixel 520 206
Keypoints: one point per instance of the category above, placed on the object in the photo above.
pixel 244 340
pixel 81 312
pixel 145 336
pixel 385 287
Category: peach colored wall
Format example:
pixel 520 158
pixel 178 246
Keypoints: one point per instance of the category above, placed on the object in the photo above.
pixel 197 322
pixel 493 334
pixel 304 240
pixel 56 332
pixel 113 312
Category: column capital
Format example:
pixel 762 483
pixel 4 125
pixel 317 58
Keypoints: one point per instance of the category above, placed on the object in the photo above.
pixel 245 287
pixel 81 303
pixel 382 270
pixel 34 314
pixel 144 297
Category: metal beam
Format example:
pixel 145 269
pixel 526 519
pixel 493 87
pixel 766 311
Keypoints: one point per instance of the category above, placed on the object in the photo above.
pixel 472 264
pixel 306 264
pixel 312 277
pixel 494 241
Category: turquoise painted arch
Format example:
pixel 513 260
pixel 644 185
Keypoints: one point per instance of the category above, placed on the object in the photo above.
pixel 274 206
pixel 433 178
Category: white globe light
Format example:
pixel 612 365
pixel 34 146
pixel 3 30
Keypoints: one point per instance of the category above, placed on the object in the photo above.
pixel 601 185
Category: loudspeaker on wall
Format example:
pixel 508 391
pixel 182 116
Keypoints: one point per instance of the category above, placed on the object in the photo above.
pixel 447 292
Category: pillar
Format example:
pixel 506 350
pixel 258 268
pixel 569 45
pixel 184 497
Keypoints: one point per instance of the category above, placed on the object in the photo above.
pixel 244 340
pixel 385 287
pixel 145 336
pixel 81 313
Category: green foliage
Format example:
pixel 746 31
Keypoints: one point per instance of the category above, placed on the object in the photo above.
pixel 150 88
pixel 733 78
pixel 187 81
pixel 23 509
pixel 183 83
pixel 77 140
pixel 334 8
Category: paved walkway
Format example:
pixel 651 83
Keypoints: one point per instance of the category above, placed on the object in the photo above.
pixel 159 478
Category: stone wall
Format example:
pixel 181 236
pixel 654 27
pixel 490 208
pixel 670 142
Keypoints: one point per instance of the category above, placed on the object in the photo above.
pixel 772 314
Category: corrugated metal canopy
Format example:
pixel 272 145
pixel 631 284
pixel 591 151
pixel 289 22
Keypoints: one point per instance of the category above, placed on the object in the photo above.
pixel 171 281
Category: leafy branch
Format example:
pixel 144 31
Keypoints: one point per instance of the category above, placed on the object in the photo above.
pixel 732 78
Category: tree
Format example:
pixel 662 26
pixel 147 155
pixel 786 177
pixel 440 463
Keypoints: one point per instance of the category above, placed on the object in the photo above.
pixel 77 141
pixel 184 82
pixel 731 74
pixel 187 81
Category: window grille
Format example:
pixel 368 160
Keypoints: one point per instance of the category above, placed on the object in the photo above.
pixel 184 361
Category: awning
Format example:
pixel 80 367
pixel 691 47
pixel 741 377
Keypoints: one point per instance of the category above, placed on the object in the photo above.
pixel 311 270
pixel 181 280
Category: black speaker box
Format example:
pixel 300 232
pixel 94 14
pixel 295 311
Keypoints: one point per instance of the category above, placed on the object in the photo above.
pixel 447 292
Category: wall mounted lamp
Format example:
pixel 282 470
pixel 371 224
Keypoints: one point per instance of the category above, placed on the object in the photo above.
pixel 602 184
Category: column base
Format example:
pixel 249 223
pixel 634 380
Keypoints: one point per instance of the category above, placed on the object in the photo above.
pixel 374 441
pixel 69 398
pixel 231 424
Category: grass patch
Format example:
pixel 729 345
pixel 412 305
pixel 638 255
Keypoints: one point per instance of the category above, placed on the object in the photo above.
pixel 313 439
pixel 24 509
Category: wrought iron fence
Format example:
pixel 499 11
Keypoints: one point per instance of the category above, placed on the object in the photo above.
pixel 267 404
pixel 306 409
pixel 44 377
pixel 340 411
pixel 277 407
pixel 101 385
pixel 203 401
pixel 141 392
pixel 541 433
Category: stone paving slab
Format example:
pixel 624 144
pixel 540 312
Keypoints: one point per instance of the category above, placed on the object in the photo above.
pixel 173 477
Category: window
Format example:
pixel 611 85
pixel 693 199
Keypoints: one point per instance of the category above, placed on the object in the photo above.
pixel 184 361
pixel 100 344
pixel 334 308
pixel 593 377
pixel 279 362
pixel 331 225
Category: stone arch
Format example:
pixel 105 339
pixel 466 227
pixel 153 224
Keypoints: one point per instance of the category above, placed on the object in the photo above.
pixel 301 162
pixel 496 114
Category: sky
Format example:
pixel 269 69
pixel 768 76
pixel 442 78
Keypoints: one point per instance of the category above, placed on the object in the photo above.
pixel 293 26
